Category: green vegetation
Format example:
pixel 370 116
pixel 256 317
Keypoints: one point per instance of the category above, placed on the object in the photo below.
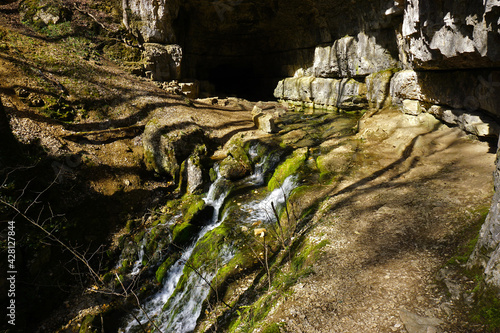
pixel 250 317
pixel 288 168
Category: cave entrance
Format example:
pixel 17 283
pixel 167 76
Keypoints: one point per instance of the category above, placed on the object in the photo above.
pixel 241 80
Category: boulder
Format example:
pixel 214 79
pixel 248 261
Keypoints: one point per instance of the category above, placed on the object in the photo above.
pixel 412 107
pixel 265 123
pixel 166 147
pixel 236 165
pixel 162 62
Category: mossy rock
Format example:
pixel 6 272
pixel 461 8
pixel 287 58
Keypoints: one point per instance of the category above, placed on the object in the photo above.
pixel 236 165
pixel 289 167
pixel 86 326
pixel 183 233
pixel 166 146
pixel 44 12
pixel 122 52
pixel 192 206
pixel 165 266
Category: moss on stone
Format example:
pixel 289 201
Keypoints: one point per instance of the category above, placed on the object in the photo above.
pixel 192 204
pixel 86 325
pixel 182 233
pixel 164 267
pixel 122 52
pixel 289 167
pixel 237 164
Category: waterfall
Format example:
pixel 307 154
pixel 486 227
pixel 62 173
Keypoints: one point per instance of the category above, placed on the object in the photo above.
pixel 177 310
pixel 215 197
pixel 261 210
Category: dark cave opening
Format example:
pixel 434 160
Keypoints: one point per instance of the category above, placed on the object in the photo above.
pixel 241 80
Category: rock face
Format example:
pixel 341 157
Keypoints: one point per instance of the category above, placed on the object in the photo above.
pixel 487 252
pixel 340 93
pixel 162 62
pixel 151 20
pixel 451 34
pixel 352 57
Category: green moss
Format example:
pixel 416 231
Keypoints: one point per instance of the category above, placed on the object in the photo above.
pixel 289 167
pixel 487 309
pixel 124 267
pixel 191 205
pixel 182 233
pixel 122 52
pixel 237 164
pixel 164 267
pixel 86 326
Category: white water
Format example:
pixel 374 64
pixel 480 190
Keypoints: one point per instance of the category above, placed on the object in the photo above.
pixel 154 306
pixel 261 210
pixel 258 176
pixel 188 304
pixel 138 263
pixel 185 307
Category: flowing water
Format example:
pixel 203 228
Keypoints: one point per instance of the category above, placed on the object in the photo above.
pixel 176 309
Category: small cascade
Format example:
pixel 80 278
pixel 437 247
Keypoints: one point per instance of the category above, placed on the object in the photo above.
pixel 138 263
pixel 187 304
pixel 262 168
pixel 177 306
pixel 261 210
pixel 154 306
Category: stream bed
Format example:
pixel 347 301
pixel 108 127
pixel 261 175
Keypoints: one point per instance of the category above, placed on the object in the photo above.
pixel 240 212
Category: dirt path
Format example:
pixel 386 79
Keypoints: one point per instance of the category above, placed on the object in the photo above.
pixel 391 225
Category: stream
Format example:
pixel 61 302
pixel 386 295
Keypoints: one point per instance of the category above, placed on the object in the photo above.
pixel 240 208
pixel 177 310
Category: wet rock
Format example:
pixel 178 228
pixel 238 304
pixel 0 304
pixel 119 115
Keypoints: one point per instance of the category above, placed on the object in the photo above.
pixel 236 165
pixel 162 62
pixel 194 170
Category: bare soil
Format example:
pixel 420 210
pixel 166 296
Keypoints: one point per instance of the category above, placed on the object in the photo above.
pixel 412 198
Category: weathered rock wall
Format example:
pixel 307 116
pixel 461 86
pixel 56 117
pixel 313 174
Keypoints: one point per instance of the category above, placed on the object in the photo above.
pixel 487 252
